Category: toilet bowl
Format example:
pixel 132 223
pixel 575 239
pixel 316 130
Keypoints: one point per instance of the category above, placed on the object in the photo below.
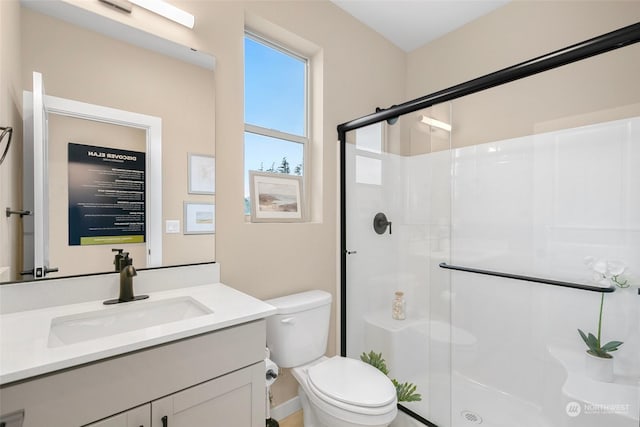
pixel 336 391
pixel 342 392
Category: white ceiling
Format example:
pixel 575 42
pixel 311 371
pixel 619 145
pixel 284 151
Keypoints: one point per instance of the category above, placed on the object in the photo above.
pixel 410 24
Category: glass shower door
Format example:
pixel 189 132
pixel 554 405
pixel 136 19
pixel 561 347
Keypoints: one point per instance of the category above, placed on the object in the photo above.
pixel 397 232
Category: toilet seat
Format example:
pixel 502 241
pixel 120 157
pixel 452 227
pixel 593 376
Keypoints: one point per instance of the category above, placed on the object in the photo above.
pixel 351 385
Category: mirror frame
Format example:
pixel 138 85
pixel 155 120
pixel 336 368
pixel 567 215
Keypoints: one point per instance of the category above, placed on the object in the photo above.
pixel 153 181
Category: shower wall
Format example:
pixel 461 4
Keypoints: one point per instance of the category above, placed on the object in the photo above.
pixel 483 349
pixel 539 205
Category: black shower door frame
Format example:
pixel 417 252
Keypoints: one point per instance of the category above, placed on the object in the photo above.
pixel 613 40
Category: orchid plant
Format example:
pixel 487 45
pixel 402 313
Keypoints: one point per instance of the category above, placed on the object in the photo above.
pixel 605 273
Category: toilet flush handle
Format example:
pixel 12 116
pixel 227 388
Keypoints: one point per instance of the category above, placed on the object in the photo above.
pixel 288 320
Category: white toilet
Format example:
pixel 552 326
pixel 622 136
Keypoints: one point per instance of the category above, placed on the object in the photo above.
pixel 336 391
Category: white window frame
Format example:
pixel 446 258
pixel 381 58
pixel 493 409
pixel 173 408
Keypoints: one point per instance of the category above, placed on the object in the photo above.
pixel 305 140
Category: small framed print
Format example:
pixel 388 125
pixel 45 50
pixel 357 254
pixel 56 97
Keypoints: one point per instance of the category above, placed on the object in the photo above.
pixel 202 174
pixel 275 197
pixel 199 218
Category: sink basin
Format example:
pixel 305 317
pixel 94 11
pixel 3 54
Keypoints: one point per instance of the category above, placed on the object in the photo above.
pixel 122 318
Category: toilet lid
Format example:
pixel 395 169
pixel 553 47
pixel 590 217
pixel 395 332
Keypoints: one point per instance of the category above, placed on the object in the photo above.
pixel 352 381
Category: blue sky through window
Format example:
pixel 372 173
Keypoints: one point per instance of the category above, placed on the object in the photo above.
pixel 274 98
pixel 274 89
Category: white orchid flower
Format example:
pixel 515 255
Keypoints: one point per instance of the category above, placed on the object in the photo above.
pixel 606 272
pixel 600 266
pixel 615 268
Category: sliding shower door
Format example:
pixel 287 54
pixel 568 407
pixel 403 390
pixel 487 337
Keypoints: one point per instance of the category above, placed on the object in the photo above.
pixel 546 184
pixel 508 221
pixel 397 232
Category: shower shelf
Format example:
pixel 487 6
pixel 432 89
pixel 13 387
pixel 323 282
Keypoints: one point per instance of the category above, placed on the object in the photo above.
pixel 528 278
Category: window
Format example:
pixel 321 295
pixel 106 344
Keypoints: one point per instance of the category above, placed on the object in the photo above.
pixel 275 110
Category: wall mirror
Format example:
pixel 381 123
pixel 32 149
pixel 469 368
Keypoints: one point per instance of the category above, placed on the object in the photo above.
pixel 93 69
pixel 52 128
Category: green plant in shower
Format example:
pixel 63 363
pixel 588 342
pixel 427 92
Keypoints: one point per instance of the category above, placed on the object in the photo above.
pixel 604 272
pixel 406 392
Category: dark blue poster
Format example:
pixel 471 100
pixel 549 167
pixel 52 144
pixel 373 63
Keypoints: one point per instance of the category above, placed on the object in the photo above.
pixel 106 195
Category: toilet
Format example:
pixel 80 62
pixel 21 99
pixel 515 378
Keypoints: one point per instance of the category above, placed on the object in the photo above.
pixel 334 391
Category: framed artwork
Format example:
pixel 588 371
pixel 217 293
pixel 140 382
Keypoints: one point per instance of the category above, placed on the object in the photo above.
pixel 199 218
pixel 275 197
pixel 202 174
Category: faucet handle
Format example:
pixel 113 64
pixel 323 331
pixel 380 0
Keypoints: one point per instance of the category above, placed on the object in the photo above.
pixel 118 259
pixel 126 261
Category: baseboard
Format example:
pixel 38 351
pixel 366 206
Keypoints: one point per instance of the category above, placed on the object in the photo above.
pixel 5 274
pixel 285 409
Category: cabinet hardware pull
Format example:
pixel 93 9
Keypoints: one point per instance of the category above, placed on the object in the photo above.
pixel 165 421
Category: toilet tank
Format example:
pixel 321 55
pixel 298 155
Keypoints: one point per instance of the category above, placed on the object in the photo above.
pixel 297 334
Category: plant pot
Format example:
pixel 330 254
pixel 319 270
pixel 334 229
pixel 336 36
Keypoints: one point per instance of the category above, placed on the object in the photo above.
pixel 599 368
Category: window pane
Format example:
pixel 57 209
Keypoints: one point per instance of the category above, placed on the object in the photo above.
pixel 263 153
pixel 274 89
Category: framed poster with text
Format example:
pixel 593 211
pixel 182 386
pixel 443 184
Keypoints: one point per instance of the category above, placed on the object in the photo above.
pixel 106 195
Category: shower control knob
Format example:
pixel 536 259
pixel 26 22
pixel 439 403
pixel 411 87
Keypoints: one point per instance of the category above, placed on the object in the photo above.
pixel 380 223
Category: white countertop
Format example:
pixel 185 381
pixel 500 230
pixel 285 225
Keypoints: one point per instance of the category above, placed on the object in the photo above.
pixel 24 336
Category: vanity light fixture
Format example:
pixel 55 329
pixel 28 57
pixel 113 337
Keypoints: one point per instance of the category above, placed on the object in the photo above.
pixel 435 123
pixel 121 5
pixel 167 10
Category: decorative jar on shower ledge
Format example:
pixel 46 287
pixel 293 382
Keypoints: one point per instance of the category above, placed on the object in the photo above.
pixel 398 306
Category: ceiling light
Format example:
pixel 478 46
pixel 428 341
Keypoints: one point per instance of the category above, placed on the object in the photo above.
pixel 168 11
pixel 435 123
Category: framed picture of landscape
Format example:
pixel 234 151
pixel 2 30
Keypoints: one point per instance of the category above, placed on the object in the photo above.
pixel 275 197
pixel 199 218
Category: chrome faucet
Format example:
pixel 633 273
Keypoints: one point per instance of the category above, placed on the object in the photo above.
pixel 124 265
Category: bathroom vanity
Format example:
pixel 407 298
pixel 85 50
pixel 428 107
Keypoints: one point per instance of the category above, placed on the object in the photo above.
pixel 71 365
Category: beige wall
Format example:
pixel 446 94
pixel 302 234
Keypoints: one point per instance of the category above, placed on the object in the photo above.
pixel 10 115
pixel 517 32
pixel 82 65
pixel 360 71
pixel 599 89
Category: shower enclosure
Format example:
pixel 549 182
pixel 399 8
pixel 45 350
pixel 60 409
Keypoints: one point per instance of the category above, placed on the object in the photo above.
pixel 507 211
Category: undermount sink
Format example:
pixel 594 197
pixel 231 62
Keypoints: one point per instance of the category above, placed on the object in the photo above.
pixel 122 318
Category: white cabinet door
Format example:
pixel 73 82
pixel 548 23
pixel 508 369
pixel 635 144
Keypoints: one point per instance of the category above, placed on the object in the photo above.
pixel 136 417
pixel 233 400
pixel 13 419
